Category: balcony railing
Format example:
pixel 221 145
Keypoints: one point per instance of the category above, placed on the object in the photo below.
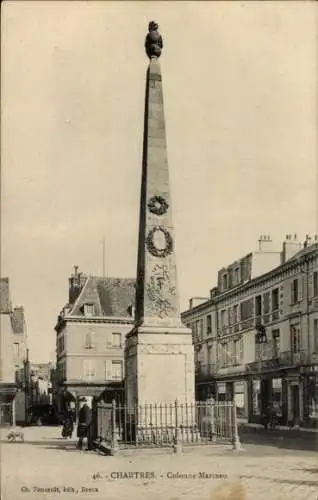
pixel 275 315
pixel 284 359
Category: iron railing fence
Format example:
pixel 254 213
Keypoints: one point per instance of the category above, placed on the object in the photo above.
pixel 6 414
pixel 165 425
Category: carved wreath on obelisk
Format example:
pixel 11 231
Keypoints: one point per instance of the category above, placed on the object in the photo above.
pixel 158 205
pixel 159 252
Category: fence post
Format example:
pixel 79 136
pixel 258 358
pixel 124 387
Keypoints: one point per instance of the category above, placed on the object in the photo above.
pixel 114 443
pixel 235 436
pixel 212 407
pixel 177 448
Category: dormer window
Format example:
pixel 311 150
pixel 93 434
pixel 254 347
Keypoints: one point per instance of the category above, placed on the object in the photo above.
pixel 225 282
pixel 237 275
pixel 89 309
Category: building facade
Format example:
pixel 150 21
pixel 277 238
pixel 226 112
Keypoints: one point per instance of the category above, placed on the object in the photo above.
pixel 13 348
pixel 256 337
pixel 90 338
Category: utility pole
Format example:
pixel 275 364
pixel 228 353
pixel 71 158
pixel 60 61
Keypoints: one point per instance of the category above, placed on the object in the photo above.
pixel 103 258
pixel 26 385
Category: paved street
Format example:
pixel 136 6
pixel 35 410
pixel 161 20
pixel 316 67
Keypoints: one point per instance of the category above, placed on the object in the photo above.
pixel 44 461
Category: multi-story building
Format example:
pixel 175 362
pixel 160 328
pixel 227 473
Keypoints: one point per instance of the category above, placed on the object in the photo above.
pixel 90 337
pixel 256 337
pixel 40 383
pixel 13 348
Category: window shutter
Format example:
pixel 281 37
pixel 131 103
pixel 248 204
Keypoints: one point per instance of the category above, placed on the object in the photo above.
pixel 301 288
pixel 291 292
pixel 108 369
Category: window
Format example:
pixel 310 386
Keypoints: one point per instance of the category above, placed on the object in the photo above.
pixel 89 340
pixel 266 301
pixel 256 392
pixel 275 299
pixel 225 283
pixel 210 356
pixel 246 313
pixel 258 308
pixel 236 353
pixel 294 291
pixel 62 370
pixel 315 283
pixel 241 351
pixel 60 344
pixel 223 319
pixel 237 275
pixel 295 338
pixel 220 348
pixel 235 318
pixel 315 335
pixel 277 396
pixel 209 324
pixel 201 328
pixel 239 398
pixel 89 368
pixel 276 343
pixel 88 309
pixel 116 340
pixel 197 328
pixel 117 370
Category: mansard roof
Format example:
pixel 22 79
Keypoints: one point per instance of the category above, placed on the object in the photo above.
pixel 110 297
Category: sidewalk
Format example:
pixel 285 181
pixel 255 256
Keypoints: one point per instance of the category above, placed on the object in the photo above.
pixel 282 437
pixel 42 467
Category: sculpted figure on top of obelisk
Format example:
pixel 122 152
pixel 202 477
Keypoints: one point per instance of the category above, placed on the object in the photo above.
pixel 153 42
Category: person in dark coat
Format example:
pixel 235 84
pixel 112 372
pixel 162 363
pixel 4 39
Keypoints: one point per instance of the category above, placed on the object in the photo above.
pixel 84 425
pixel 68 425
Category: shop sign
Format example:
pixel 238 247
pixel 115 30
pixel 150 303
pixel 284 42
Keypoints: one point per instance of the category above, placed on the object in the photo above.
pixel 222 388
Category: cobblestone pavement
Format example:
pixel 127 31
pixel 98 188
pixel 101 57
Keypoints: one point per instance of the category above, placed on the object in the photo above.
pixel 258 472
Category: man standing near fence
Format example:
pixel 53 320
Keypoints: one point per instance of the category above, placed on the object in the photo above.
pixel 84 426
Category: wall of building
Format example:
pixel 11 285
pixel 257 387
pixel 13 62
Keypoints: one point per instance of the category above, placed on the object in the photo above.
pixel 89 351
pixel 7 369
pixel 289 302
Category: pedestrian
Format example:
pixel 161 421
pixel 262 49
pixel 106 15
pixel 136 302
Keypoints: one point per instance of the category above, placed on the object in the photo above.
pixel 68 425
pixel 273 418
pixel 266 417
pixel 84 426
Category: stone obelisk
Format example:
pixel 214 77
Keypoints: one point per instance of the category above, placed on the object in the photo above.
pixel 159 356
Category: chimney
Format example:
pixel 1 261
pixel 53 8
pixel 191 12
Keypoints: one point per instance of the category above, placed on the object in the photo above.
pixel 291 246
pixel 308 241
pixel 265 243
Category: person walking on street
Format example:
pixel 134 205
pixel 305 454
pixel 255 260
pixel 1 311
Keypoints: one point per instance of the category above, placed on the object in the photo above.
pixel 266 416
pixel 84 426
pixel 68 425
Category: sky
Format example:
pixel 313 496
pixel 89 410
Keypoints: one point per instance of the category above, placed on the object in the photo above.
pixel 240 95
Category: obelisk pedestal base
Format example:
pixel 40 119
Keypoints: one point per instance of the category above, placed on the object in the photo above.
pixel 159 366
pixel 160 384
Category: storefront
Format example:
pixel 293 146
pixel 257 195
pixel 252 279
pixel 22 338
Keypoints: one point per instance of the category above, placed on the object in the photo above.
pixel 240 398
pixel 264 391
pixel 310 399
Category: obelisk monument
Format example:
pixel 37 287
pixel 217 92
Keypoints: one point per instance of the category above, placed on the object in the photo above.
pixel 159 355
